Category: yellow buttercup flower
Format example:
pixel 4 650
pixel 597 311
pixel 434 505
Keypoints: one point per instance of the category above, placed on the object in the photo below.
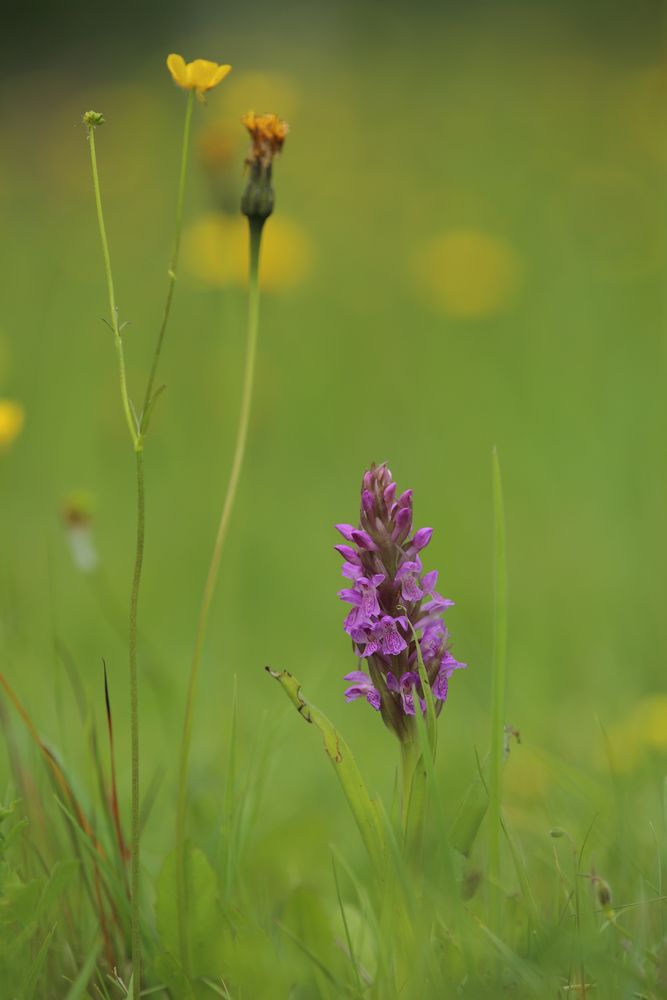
pixel 199 75
pixel 12 418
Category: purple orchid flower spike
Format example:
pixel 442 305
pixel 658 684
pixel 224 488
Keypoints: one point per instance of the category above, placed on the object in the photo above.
pixel 396 613
pixel 362 687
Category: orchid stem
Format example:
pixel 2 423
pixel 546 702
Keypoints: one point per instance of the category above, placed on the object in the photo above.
pixel 407 772
pixel 211 579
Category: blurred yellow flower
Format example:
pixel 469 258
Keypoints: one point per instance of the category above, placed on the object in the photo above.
pixel 200 75
pixel 262 90
pixel 218 145
pixel 468 273
pixel 12 418
pixel 644 729
pixel 215 250
pixel 526 777
pixel 642 107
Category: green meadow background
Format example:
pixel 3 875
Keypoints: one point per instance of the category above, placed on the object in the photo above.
pixel 477 196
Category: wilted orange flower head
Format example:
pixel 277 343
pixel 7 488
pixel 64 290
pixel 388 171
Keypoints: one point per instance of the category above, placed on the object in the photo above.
pixel 199 75
pixel 268 134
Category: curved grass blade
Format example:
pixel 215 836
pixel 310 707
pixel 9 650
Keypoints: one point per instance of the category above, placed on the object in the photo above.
pixel 79 986
pixel 364 807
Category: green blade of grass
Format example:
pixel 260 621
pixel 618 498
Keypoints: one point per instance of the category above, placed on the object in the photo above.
pixel 342 989
pixel 364 807
pixel 498 691
pixel 446 856
pixel 80 985
pixel 522 969
pixel 27 990
pixel 469 815
pixel 348 936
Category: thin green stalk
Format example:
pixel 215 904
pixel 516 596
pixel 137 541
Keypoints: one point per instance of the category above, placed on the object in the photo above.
pixel 498 692
pixel 137 432
pixel 209 587
pixel 173 265
pixel 113 308
pixel 137 443
pixel 135 832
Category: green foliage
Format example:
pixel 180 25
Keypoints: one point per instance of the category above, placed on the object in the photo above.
pixel 537 130
pixel 29 911
pixel 207 930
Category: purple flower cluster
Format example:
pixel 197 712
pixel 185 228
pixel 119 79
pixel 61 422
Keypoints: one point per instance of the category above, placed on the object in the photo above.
pixel 390 597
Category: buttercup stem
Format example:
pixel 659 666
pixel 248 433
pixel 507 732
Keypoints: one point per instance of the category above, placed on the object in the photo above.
pixel 174 260
pixel 139 558
pixel 255 227
pixel 113 308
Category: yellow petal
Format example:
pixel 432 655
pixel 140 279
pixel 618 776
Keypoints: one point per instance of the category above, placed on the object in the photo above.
pixel 178 69
pixel 219 75
pixel 204 74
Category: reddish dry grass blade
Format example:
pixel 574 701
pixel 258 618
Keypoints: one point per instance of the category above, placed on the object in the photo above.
pixel 115 812
pixel 63 784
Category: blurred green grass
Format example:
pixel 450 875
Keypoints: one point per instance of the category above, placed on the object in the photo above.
pixel 541 128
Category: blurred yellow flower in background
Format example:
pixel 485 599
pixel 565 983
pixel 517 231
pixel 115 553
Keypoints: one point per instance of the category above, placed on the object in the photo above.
pixel 468 273
pixel 215 250
pixel 262 90
pixel 218 144
pixel 645 729
pixel 200 75
pixel 526 777
pixel 12 418
pixel 642 109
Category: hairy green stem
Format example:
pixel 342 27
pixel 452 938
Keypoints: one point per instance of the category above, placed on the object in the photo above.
pixel 135 833
pixel 211 579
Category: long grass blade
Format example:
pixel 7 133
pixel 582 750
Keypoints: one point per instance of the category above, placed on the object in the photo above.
pixel 364 807
pixel 499 682
pixel 79 987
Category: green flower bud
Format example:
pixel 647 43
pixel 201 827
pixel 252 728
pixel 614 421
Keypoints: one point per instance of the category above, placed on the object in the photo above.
pixel 93 118
pixel 267 133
